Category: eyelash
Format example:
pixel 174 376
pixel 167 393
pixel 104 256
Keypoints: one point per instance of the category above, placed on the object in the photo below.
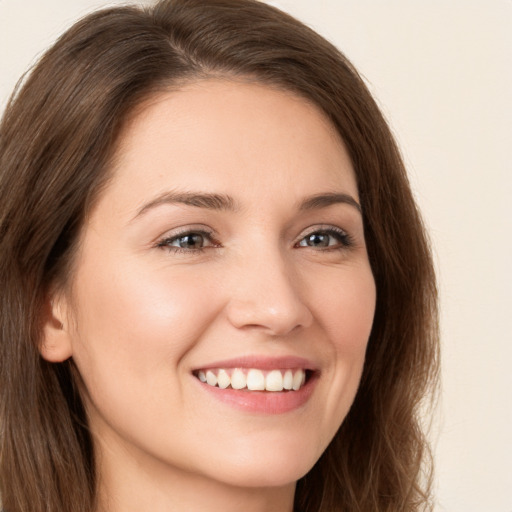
pixel 343 238
pixel 166 242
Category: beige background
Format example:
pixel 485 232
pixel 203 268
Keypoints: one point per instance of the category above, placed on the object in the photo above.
pixel 442 73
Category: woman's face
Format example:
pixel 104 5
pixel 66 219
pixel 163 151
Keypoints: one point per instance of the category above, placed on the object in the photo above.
pixel 229 245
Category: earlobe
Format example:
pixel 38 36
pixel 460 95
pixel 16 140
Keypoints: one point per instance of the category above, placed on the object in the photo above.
pixel 55 345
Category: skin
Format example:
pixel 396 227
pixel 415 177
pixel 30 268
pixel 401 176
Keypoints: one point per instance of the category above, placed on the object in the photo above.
pixel 138 316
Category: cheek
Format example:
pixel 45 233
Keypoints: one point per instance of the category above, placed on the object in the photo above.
pixel 133 325
pixel 135 329
pixel 346 312
pixel 346 315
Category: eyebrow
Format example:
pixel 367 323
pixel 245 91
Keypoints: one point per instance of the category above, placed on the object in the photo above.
pixel 199 200
pixel 222 202
pixel 324 200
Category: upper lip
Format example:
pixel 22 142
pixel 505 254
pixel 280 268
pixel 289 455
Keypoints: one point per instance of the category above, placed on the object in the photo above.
pixel 262 363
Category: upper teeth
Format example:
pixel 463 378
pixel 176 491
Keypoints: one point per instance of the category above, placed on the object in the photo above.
pixel 254 379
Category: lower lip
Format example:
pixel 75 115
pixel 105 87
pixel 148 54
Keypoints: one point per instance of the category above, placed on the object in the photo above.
pixel 263 402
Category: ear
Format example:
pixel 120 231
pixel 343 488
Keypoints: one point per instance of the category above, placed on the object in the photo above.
pixel 55 345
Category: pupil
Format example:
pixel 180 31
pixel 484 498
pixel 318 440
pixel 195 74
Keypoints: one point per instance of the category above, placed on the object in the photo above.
pixel 191 241
pixel 318 240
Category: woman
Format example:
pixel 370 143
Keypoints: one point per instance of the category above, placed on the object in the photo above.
pixel 218 293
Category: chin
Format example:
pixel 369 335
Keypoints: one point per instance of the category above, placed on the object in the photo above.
pixel 272 474
pixel 273 465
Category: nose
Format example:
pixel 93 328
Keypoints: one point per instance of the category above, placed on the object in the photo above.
pixel 266 294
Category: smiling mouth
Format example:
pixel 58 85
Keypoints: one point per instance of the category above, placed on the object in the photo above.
pixel 254 379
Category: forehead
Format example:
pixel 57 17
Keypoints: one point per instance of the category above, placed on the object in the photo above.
pixel 223 133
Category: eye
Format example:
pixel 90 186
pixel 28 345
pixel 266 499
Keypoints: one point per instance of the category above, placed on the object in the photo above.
pixel 188 241
pixel 326 238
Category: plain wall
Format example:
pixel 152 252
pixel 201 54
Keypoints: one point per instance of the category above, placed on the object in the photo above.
pixel 442 73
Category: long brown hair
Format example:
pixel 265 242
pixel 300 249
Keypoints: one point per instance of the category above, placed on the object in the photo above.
pixel 56 138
